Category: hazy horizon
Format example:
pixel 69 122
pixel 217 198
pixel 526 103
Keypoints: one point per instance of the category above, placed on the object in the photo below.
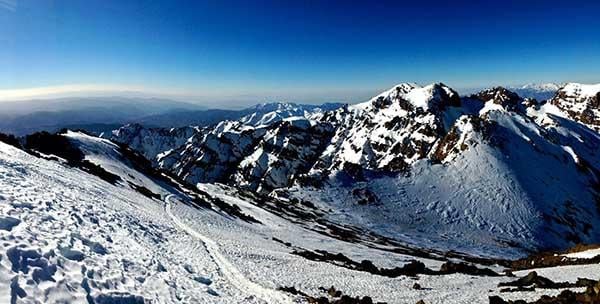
pixel 210 102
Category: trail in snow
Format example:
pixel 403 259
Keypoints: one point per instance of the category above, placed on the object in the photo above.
pixel 235 277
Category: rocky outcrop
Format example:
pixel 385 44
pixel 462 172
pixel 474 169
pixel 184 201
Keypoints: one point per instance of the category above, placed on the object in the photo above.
pixel 286 152
pixel 580 102
pixel 391 131
pixel 499 96
pixel 151 142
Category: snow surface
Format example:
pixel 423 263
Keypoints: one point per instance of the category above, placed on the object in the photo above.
pixel 70 237
pixel 586 254
pixel 582 90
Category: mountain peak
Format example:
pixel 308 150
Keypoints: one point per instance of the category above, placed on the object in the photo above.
pixel 411 96
pixel 498 95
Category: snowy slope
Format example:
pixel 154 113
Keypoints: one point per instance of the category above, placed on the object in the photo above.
pixel 69 236
pixel 501 189
pixel 80 239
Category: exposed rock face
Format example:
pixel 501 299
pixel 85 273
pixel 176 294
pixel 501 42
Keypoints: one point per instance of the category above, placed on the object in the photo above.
pixel 213 156
pixel 263 158
pixel 286 151
pixel 460 137
pixel 580 102
pixel 392 130
pixel 499 96
pixel 152 141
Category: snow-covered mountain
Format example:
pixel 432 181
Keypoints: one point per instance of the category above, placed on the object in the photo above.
pixel 580 102
pixel 152 141
pixel 262 113
pixel 540 92
pixel 498 172
pixel 268 113
pixel 371 198
pixel 74 236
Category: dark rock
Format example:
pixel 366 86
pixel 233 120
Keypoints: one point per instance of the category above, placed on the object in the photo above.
pixel 10 140
pixel 320 300
pixel 333 292
pixel 451 267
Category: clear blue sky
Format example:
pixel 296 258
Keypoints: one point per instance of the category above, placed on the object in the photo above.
pixel 301 50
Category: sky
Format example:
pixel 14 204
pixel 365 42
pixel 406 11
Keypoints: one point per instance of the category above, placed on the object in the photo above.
pixel 232 52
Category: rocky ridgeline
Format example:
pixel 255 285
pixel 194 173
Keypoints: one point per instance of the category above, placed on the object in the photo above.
pixel 538 163
pixel 580 102
pixel 388 133
pixel 391 131
pixel 151 142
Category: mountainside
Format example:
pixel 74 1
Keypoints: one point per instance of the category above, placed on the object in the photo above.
pixel 409 196
pixel 152 141
pixel 123 233
pixel 392 130
pixel 581 103
pixel 493 173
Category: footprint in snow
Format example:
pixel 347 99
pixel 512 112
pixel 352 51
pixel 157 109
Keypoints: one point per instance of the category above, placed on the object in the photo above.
pixel 212 292
pixel 205 281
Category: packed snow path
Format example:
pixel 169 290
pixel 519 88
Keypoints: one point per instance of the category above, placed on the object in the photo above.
pixel 235 277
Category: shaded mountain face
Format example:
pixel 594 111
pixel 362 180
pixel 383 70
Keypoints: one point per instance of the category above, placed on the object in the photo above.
pixel 500 96
pixel 493 171
pixel 152 141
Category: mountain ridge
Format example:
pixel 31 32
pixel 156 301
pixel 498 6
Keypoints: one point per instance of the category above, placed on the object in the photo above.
pixel 404 135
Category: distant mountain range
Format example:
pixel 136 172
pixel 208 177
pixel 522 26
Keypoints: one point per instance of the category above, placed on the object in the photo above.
pixel 102 114
pixel 99 115
pixel 540 92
